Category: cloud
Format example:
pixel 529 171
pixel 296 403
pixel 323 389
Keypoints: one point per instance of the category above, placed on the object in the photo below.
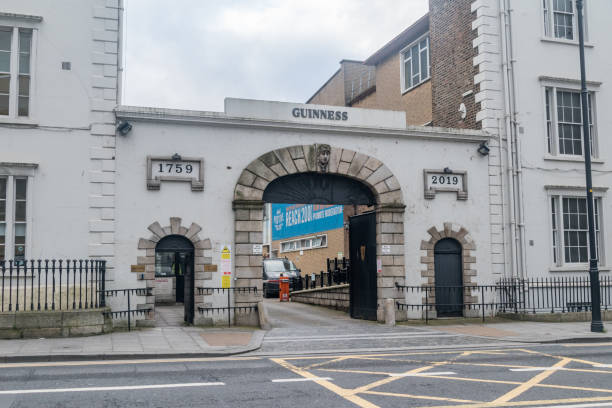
pixel 192 54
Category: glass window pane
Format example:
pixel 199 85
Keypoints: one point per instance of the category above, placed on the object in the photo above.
pixel 20 211
pixel 407 74
pixel 25 41
pixel 415 60
pixel 24 85
pixel 5 61
pixel 20 231
pixel 424 74
pixel 2 232
pixel 20 189
pixel 19 252
pixel 4 104
pixel 2 189
pixel 2 210
pixel 24 63
pixel 5 39
pixel 5 83
pixel 24 106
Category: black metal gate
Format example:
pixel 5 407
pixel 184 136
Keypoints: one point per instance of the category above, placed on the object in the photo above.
pixel 362 246
pixel 448 278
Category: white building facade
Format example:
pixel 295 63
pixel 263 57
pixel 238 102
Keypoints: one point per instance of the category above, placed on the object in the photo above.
pixel 71 186
pixel 529 78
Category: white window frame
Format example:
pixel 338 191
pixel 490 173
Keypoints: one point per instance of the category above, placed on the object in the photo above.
pixel 402 65
pixel 297 242
pixel 12 171
pixel 548 27
pixel 553 151
pixel 573 192
pixel 17 22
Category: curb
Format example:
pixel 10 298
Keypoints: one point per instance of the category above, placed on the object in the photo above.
pixel 253 345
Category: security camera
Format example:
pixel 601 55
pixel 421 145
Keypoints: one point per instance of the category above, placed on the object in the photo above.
pixel 124 127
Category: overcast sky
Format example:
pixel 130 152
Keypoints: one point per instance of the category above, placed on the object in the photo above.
pixel 191 54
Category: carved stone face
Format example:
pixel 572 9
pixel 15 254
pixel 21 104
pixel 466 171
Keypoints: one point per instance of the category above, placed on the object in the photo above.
pixel 323 153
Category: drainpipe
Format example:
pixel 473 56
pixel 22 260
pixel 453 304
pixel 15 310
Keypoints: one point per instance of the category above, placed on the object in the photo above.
pixel 120 17
pixel 519 152
pixel 509 138
pixel 503 197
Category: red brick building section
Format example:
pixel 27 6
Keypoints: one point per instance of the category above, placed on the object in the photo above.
pixel 452 66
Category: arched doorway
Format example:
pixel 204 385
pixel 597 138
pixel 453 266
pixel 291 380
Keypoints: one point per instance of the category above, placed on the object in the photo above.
pixel 323 188
pixel 323 174
pixel 448 277
pixel 174 260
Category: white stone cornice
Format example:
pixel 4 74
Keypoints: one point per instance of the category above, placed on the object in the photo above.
pixel 222 120
pixel 15 16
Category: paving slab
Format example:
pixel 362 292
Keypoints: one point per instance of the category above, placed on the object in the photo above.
pixel 529 332
pixel 158 342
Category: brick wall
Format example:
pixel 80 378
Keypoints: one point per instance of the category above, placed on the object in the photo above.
pixel 416 103
pixel 452 67
pixel 314 260
pixel 332 93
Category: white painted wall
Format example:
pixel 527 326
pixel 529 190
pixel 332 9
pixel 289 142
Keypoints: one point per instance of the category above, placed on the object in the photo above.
pixel 227 149
pixel 56 135
pixel 537 57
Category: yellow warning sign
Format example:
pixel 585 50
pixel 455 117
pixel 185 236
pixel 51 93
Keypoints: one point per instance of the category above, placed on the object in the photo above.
pixel 226 281
pixel 225 253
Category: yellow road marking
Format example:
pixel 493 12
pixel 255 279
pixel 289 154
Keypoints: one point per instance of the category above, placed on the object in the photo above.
pixel 344 393
pixel 469 353
pixel 335 360
pixel 415 353
pixel 354 371
pixel 425 397
pixel 561 387
pixel 391 379
pixel 578 360
pixel 524 403
pixel 120 362
pixel 529 384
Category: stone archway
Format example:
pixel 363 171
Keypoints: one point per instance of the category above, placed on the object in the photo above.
pixel 461 235
pixel 320 158
pixel 202 260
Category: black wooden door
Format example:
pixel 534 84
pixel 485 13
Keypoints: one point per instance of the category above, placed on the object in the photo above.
pixel 362 246
pixel 188 289
pixel 449 278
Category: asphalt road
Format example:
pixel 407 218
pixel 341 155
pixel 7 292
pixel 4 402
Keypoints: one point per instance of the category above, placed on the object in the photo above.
pixel 536 376
pixel 299 328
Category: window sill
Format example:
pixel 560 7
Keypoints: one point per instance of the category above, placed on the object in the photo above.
pixel 405 91
pixel 576 268
pixel 5 120
pixel 575 159
pixel 568 42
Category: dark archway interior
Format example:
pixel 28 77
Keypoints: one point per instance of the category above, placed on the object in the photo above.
pixel 318 188
pixel 174 243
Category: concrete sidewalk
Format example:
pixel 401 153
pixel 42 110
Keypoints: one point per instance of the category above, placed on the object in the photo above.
pixel 529 332
pixel 159 342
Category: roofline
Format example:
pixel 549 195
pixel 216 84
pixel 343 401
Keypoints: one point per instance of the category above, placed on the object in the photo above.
pixel 326 82
pixel 220 119
pixel 400 41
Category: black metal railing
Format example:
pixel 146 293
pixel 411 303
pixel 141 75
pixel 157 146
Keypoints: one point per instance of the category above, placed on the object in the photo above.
pixel 338 272
pixel 129 312
pixel 229 308
pixel 37 285
pixel 537 295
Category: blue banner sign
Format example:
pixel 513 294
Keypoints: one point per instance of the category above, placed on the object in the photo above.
pixel 292 220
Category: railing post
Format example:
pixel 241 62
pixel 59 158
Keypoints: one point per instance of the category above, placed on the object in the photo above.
pixel 102 281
